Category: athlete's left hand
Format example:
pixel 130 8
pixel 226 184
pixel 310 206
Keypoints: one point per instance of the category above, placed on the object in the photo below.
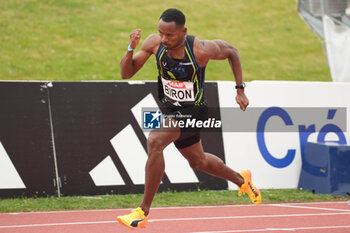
pixel 242 99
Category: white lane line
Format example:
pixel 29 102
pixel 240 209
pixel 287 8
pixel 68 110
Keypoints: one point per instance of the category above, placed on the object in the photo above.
pixel 128 209
pixel 313 208
pixel 166 208
pixel 56 224
pixel 246 217
pixel 177 219
pixel 277 229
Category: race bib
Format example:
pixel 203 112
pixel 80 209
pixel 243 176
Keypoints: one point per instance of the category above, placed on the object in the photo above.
pixel 178 91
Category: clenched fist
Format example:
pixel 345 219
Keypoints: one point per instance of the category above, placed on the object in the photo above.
pixel 135 37
pixel 242 100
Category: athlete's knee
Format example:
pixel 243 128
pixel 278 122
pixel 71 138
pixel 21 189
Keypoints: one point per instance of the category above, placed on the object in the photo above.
pixel 206 162
pixel 198 163
pixel 154 144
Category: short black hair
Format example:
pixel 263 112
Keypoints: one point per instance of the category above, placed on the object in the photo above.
pixel 175 15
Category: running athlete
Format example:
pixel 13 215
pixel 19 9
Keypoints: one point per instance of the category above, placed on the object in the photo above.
pixel 181 62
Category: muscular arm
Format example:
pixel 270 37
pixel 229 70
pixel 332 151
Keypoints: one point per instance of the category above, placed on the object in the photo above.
pixel 131 63
pixel 220 50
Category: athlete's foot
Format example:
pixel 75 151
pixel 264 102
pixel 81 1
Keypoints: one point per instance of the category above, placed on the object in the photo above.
pixel 249 188
pixel 135 219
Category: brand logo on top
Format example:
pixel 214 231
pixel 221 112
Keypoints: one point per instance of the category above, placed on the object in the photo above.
pixel 179 85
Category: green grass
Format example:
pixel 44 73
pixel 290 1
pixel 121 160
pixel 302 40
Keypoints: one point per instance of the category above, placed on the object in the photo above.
pixel 199 198
pixel 73 40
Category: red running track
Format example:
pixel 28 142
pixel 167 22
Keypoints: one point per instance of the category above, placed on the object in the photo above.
pixel 330 217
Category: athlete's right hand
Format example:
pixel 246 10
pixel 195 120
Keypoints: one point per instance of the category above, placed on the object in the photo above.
pixel 135 37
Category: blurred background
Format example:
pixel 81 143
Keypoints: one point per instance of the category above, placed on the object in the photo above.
pixel 66 40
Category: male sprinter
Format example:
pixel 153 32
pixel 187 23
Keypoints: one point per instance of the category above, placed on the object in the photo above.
pixel 181 61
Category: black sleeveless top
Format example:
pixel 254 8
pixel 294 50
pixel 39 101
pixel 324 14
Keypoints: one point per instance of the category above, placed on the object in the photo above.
pixel 180 81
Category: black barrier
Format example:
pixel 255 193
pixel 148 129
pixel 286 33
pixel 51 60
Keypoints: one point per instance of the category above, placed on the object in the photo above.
pixel 87 116
pixel 26 155
pixel 98 139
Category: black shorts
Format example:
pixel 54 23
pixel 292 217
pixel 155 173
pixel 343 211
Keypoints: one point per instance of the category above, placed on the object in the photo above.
pixel 188 135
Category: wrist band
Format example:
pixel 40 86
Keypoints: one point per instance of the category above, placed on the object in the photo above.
pixel 130 49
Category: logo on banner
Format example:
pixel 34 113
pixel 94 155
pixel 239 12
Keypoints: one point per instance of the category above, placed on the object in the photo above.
pixel 134 158
pixel 151 119
pixel 304 132
pixel 9 177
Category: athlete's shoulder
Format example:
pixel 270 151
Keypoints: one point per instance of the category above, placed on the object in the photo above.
pixel 151 43
pixel 154 37
pixel 200 51
pixel 205 45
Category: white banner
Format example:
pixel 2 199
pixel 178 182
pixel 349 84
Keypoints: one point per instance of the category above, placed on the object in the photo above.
pixel 337 40
pixel 275 157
